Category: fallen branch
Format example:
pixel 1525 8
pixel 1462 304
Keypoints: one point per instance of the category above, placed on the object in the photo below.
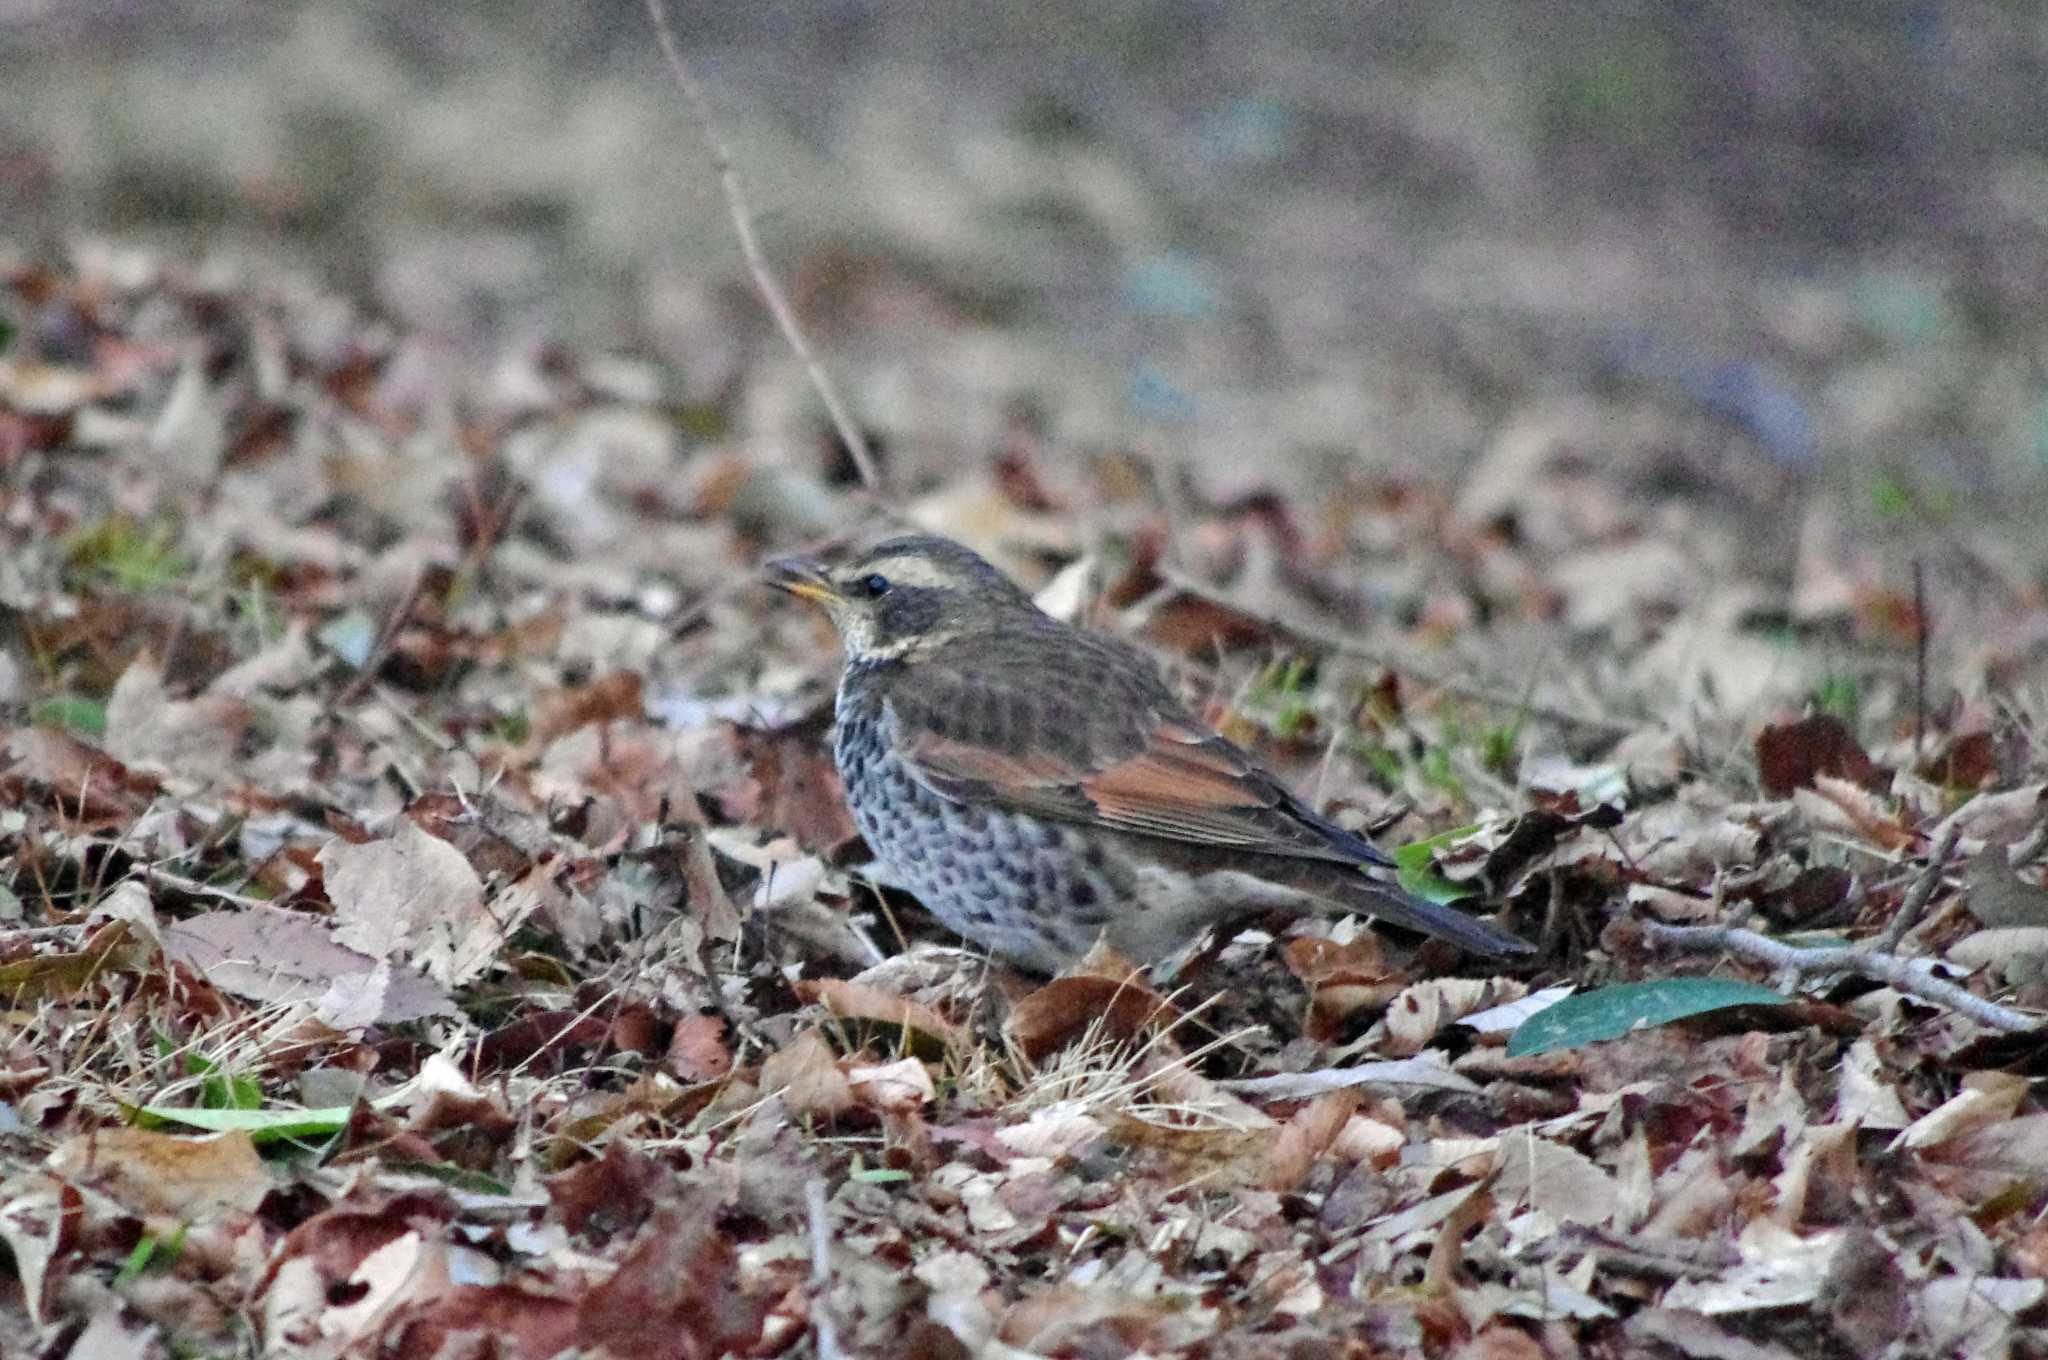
pixel 1898 973
pixel 1420 671
pixel 1922 891
pixel 750 246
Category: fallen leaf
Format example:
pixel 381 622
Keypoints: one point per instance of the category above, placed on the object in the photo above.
pixel 411 896
pixel 161 1173
pixel 856 1001
pixel 806 1075
pixel 675 1296
pixel 897 1088
pixel 1792 755
pixel 273 955
pixel 1104 993
pixel 1305 1137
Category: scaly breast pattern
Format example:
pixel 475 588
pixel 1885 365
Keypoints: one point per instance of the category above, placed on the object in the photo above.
pixel 1031 890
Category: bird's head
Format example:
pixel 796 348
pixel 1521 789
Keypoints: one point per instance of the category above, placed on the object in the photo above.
pixel 904 596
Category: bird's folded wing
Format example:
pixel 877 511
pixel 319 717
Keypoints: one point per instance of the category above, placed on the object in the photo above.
pixel 1183 783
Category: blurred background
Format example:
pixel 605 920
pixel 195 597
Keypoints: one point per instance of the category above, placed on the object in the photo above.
pixel 1738 257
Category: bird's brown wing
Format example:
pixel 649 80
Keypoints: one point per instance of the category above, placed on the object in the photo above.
pixel 1119 753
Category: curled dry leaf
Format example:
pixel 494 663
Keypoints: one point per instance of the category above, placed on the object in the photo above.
pixel 1305 1137
pixel 1104 992
pixel 1849 809
pixel 1415 1016
pixel 697 1049
pixel 901 1087
pixel 1987 1098
pixel 854 1001
pixel 1342 979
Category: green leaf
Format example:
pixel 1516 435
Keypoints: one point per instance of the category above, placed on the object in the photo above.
pixel 1613 1011
pixel 1415 867
pixel 87 717
pixel 220 1089
pixel 262 1126
pixel 150 1249
pixel 138 1260
pixel 879 1175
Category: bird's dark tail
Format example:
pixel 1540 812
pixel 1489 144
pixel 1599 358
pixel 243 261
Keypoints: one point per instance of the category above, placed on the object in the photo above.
pixel 1396 906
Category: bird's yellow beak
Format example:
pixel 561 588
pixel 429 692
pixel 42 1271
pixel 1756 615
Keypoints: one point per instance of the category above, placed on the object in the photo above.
pixel 802 577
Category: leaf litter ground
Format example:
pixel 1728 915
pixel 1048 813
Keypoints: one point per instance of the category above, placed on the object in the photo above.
pixel 432 928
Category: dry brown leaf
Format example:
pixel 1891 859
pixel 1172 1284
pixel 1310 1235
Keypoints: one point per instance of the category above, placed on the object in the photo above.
pixel 901 1087
pixel 1793 755
pixel 41 1216
pixel 187 740
pixel 1863 1096
pixel 1305 1137
pixel 1851 810
pixel 412 897
pixel 1555 1180
pixel 856 1001
pixel 805 1074
pixel 697 1049
pixel 161 1173
pixel 616 697
pixel 1104 992
pixel 1342 979
pixel 1418 1013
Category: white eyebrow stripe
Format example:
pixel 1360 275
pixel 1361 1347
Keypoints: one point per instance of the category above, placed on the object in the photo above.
pixel 907 570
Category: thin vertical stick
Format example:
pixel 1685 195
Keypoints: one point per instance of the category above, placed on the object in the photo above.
pixel 1920 627
pixel 750 246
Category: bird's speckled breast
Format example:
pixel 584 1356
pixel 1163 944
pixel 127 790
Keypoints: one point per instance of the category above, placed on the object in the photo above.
pixel 1035 890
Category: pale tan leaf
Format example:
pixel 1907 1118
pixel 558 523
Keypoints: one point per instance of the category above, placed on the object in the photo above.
pixel 1986 1098
pixel 269 954
pixel 412 897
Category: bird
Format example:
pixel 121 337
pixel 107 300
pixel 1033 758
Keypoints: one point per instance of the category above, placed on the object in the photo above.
pixel 1039 788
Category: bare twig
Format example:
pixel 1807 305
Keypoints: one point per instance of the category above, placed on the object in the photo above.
pixel 1890 969
pixel 1919 659
pixel 1922 891
pixel 821 1271
pixel 1342 646
pixel 750 246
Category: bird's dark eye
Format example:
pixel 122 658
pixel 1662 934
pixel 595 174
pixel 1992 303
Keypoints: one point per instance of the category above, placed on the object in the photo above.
pixel 874 585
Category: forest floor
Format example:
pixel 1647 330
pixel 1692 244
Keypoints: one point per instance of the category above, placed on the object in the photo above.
pixel 430 925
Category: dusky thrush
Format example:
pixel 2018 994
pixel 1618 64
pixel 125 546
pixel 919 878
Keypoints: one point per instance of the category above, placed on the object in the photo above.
pixel 1037 786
